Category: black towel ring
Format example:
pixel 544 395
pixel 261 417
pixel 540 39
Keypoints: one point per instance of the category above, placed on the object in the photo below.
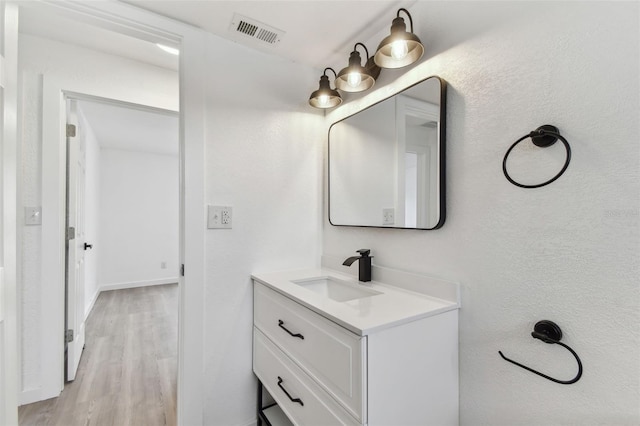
pixel 549 332
pixel 543 137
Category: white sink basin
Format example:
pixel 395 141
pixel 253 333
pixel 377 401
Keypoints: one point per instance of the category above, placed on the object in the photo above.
pixel 335 289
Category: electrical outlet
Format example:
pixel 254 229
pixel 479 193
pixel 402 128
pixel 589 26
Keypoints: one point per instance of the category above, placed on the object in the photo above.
pixel 219 217
pixel 226 216
pixel 163 265
pixel 388 216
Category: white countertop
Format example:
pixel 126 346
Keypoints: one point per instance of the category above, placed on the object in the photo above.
pixel 361 316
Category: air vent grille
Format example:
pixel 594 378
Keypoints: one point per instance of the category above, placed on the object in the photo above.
pixel 268 36
pixel 256 30
pixel 247 28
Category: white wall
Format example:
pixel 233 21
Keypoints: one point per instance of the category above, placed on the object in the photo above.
pixel 29 331
pixel 84 71
pixel 263 158
pixel 567 252
pixel 100 74
pixel 138 218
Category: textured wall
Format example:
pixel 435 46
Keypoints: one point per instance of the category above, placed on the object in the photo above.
pixel 139 217
pixel 83 71
pixel 567 252
pixel 263 158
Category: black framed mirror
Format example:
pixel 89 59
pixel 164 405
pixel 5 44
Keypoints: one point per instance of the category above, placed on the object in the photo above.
pixel 387 162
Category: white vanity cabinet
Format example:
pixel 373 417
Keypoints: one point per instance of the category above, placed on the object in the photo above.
pixel 321 368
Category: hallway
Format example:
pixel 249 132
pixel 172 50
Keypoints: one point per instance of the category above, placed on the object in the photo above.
pixel 127 374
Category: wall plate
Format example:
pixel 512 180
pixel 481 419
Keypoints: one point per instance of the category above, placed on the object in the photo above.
pixel 33 215
pixel 219 217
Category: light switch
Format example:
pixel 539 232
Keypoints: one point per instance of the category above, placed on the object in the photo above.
pixel 33 215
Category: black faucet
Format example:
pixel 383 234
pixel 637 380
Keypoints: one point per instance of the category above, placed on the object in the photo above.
pixel 364 272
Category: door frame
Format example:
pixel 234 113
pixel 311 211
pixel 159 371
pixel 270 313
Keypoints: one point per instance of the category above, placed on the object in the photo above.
pixel 8 215
pixel 406 106
pixel 132 21
pixel 69 96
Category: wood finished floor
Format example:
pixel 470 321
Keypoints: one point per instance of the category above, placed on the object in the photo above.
pixel 127 373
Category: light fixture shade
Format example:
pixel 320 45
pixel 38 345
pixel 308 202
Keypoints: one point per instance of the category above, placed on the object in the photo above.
pixel 355 77
pixel 400 48
pixel 325 96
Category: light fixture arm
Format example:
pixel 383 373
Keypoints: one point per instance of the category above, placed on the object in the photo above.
pixel 402 9
pixel 332 70
pixel 366 51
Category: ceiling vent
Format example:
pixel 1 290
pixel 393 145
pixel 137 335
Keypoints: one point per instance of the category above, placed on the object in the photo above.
pixel 256 30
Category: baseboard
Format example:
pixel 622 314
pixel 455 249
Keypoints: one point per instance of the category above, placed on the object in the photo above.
pixel 29 396
pixel 120 286
pixel 93 302
pixel 34 395
pixel 134 284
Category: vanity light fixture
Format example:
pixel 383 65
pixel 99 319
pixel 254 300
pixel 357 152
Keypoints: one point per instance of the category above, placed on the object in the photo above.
pixel 400 48
pixel 355 77
pixel 325 96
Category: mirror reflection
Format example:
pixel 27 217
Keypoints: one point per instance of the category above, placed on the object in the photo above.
pixel 386 163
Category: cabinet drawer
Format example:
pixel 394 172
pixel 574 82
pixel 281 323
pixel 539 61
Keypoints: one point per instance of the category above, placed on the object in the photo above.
pixel 331 355
pixel 280 376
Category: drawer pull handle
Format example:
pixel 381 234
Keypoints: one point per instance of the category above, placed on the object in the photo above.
pixel 280 324
pixel 298 400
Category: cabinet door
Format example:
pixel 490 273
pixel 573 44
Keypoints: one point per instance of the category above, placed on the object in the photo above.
pixel 299 396
pixel 413 373
pixel 330 354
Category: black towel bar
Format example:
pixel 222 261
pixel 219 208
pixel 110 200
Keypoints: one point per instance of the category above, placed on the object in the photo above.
pixel 549 332
pixel 543 137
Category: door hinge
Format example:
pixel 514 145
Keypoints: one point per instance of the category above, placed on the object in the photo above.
pixel 71 130
pixel 182 270
pixel 68 336
pixel 71 233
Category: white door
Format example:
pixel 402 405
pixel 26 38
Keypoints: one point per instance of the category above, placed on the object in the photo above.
pixel 76 244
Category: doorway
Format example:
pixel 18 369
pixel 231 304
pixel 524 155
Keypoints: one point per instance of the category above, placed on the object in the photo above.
pixel 55 86
pixel 122 205
pixel 128 155
pixel 124 19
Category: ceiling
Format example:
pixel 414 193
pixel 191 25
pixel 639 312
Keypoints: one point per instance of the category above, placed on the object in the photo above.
pixel 318 33
pixel 42 23
pixel 130 128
